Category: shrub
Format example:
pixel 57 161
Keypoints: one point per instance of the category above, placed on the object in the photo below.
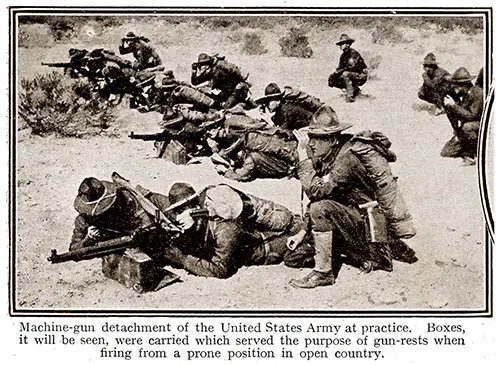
pixel 295 44
pixel 387 33
pixel 55 104
pixel 252 44
pixel 373 63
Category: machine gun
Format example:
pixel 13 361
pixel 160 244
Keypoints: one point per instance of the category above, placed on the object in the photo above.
pixel 57 64
pixel 116 245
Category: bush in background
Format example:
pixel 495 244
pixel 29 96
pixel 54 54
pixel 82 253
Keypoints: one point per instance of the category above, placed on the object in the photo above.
pixel 295 44
pixel 387 33
pixel 252 44
pixel 55 104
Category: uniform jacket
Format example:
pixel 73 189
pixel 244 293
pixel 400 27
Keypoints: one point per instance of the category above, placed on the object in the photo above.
pixel 290 115
pixel 469 108
pixel 438 81
pixel 351 60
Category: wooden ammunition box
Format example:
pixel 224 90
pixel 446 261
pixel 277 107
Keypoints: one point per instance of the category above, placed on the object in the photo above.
pixel 174 151
pixel 136 270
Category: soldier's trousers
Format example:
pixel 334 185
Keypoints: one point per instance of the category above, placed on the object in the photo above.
pixel 348 80
pixel 464 143
pixel 349 235
pixel 347 226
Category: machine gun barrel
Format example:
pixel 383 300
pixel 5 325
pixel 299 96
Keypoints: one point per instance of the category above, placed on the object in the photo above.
pixel 87 253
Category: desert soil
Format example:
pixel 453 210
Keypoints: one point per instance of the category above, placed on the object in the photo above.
pixel 443 195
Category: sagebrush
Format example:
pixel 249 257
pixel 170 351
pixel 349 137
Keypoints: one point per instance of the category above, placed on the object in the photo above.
pixel 53 103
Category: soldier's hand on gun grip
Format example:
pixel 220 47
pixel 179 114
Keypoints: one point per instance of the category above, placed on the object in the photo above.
pixel 448 100
pixel 185 220
pixel 94 233
pixel 293 241
pixel 303 142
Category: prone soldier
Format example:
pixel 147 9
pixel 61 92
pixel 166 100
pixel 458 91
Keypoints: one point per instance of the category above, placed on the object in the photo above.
pixel 292 108
pixel 144 54
pixel 225 79
pixel 241 230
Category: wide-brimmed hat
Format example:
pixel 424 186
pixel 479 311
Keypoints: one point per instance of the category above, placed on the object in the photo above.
pixel 203 59
pixel 325 123
pixel 95 196
pixel 130 36
pixel 430 60
pixel 460 76
pixel 225 201
pixel 271 92
pixel 344 38
pixel 168 79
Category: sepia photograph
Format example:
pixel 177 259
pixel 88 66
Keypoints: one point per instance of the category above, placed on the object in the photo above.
pixel 250 161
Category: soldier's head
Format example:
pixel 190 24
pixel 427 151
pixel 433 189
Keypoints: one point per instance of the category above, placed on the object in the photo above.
pixel 272 97
pixel 430 64
pixel 324 131
pixel 345 42
pixel 95 197
pixel 133 41
pixel 183 195
pixel 461 81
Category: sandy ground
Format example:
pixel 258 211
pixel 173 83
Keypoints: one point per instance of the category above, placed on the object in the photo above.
pixel 443 196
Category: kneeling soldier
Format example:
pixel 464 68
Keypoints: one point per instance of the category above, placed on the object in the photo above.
pixel 343 173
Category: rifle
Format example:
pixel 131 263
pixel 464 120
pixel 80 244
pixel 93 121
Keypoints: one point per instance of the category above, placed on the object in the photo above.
pixel 162 136
pixel 57 64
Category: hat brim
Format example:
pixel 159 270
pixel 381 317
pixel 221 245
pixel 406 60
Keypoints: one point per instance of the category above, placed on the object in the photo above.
pixel 460 81
pixel 430 63
pixel 267 98
pixel 347 41
pixel 99 206
pixel 326 131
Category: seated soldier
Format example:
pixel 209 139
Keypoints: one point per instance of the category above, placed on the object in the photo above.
pixel 464 116
pixel 143 52
pixel 351 72
pixel 229 87
pixel 436 85
pixel 107 211
pixel 241 230
pixel 345 177
pixel 292 108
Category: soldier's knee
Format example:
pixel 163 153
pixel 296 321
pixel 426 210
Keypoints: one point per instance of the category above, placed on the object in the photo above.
pixel 470 130
pixel 320 213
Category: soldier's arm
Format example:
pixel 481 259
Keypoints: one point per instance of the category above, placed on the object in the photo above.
pixel 271 216
pixel 472 113
pixel 219 265
pixel 244 173
pixel 154 57
pixel 79 233
pixel 321 187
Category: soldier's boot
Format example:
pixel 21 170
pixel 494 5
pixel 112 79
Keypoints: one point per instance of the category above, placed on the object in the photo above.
pixel 349 88
pixel 322 274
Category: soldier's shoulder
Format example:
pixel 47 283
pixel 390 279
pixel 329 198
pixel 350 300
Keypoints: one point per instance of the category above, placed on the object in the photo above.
pixel 476 92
